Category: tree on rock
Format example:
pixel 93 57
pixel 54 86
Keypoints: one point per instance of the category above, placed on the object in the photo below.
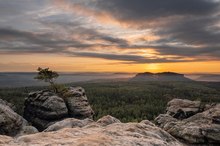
pixel 48 76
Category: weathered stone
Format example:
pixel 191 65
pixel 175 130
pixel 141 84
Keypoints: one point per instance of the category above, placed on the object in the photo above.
pixel 43 108
pixel 183 108
pixel 27 130
pixel 77 103
pixel 144 133
pixel 68 123
pixel 6 140
pixel 107 120
pixel 10 122
pixel 8 104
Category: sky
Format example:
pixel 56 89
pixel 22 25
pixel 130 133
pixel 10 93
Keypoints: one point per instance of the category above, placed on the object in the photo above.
pixel 110 35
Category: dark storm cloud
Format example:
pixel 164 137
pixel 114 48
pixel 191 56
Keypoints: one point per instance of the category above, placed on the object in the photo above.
pixel 194 31
pixel 142 10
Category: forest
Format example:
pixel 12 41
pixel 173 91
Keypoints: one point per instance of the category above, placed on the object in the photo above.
pixel 128 101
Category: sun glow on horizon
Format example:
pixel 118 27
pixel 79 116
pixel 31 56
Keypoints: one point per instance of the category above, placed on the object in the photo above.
pixel 153 67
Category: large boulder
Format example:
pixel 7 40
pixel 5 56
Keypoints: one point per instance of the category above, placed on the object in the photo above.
pixel 77 103
pixel 144 133
pixel 183 108
pixel 43 108
pixel 11 123
pixel 201 128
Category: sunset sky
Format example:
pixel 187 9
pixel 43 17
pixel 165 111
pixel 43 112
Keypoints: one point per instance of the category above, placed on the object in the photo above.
pixel 110 35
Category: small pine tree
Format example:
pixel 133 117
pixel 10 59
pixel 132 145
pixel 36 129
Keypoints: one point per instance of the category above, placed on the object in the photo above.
pixel 48 76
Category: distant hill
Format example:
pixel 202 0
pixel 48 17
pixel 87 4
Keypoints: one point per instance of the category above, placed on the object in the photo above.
pixel 164 76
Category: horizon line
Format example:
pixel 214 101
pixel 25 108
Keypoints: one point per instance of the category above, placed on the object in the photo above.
pixel 69 72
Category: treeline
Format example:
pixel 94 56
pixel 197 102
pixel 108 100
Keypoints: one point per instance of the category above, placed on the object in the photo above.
pixel 135 101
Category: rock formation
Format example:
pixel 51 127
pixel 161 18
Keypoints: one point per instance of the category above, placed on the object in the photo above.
pixel 182 109
pixel 11 123
pixel 93 133
pixel 200 127
pixel 77 103
pixel 44 108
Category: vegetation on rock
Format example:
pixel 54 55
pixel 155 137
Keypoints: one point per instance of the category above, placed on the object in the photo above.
pixel 48 76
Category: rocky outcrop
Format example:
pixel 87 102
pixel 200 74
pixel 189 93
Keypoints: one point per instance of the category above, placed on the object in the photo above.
pixel 11 123
pixel 200 128
pixel 144 133
pixel 77 103
pixel 182 108
pixel 44 108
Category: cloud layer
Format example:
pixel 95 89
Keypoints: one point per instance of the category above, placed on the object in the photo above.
pixel 130 31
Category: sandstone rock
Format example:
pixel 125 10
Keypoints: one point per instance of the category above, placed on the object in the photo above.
pixel 6 140
pixel 27 130
pixel 68 123
pixel 8 104
pixel 201 128
pixel 183 108
pixel 77 103
pixel 117 134
pixel 44 108
pixel 107 120
pixel 10 122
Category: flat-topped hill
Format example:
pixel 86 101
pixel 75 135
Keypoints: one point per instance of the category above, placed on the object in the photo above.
pixel 163 76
